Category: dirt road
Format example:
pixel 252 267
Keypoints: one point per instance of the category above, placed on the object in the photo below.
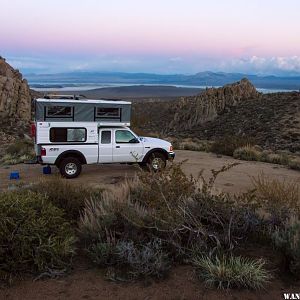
pixel 238 179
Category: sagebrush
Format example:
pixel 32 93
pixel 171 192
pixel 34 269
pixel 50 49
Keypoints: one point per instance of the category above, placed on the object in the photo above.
pixel 34 236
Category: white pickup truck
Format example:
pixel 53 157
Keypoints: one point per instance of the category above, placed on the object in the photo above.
pixel 69 150
pixel 69 133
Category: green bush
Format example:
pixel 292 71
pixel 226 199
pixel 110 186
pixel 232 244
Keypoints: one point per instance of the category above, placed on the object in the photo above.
pixel 65 195
pixel 228 144
pixel 232 272
pixel 34 236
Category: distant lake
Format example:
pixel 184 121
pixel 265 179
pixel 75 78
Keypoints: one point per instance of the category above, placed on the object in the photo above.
pixel 69 87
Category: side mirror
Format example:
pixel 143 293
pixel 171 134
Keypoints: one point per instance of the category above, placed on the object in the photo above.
pixel 134 141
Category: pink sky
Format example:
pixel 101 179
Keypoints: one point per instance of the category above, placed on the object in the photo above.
pixel 175 36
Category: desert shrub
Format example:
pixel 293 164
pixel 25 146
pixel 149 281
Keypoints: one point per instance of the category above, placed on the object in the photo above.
pixel 279 159
pixel 65 195
pixel 20 147
pixel 247 153
pixel 144 260
pixel 34 236
pixel 227 144
pixel 232 272
pixel 9 159
pixel 287 239
pixel 294 164
pixel 160 189
pixel 280 206
pixel 172 207
pixel 103 254
pixel 192 145
pixel 18 152
pixel 136 260
pixel 278 199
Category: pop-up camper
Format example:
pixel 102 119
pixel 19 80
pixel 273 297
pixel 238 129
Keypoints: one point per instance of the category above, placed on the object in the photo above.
pixel 68 110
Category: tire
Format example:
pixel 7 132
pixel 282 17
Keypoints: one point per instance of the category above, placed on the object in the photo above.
pixel 70 167
pixel 156 162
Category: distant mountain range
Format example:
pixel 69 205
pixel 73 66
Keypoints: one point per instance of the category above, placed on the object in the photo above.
pixel 199 79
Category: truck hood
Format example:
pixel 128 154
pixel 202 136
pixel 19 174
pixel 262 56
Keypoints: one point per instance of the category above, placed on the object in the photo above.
pixel 155 143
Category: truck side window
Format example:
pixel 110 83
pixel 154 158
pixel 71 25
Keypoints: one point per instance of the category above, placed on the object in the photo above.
pixel 105 137
pixel 63 135
pixel 125 136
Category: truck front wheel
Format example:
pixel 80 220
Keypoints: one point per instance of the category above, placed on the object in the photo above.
pixel 70 167
pixel 156 162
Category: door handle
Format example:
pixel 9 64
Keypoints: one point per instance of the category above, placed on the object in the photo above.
pixel 117 146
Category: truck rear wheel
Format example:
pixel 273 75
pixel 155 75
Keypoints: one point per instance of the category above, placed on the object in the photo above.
pixel 156 162
pixel 70 167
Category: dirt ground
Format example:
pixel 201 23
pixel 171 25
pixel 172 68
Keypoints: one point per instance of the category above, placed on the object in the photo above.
pixel 237 179
pixel 85 282
pixel 90 284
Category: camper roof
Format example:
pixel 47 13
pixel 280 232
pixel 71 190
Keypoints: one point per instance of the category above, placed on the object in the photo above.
pixel 101 101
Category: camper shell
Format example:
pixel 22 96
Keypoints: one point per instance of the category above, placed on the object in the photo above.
pixel 104 112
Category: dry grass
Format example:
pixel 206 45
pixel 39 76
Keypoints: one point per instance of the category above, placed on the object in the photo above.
pixel 277 195
pixel 61 193
pixel 232 272
pixel 294 164
pixel 228 144
pixel 247 152
pixel 254 153
pixel 18 152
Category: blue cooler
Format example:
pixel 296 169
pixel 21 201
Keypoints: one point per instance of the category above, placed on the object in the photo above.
pixel 47 170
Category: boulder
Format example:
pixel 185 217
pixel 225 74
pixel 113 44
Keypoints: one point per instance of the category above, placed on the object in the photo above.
pixel 15 97
pixel 195 110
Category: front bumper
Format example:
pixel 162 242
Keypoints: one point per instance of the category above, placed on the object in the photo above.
pixel 171 155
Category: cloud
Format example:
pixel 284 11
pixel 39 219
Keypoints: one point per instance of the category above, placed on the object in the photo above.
pixel 284 66
pixel 288 65
pixel 176 59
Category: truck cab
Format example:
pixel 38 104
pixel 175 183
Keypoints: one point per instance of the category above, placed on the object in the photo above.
pixel 68 143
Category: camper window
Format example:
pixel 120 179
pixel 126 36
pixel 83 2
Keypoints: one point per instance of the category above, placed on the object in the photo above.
pixel 63 135
pixel 59 112
pixel 106 112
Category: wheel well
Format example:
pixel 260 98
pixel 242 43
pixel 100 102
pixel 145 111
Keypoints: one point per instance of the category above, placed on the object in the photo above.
pixel 71 153
pixel 156 150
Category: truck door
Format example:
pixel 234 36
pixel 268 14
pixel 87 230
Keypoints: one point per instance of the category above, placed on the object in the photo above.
pixel 105 154
pixel 127 147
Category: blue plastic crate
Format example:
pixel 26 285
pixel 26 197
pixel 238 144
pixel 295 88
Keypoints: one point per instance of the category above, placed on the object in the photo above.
pixel 14 175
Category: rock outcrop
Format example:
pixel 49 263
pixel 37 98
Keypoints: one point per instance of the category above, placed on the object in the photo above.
pixel 15 98
pixel 192 111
